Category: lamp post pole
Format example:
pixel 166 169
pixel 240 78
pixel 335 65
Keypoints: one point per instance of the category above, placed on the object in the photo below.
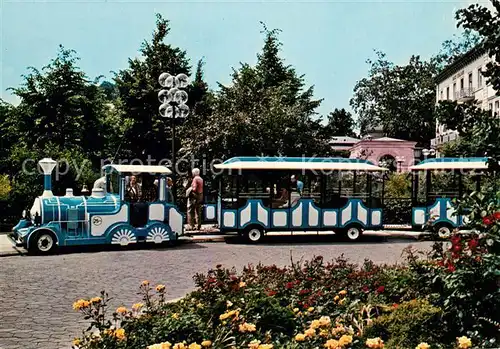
pixel 173 104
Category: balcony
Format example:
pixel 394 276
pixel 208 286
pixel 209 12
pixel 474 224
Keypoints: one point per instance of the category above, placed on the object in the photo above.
pixel 465 95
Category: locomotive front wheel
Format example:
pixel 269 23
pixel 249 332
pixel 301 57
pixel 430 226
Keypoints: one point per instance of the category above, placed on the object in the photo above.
pixel 254 234
pixel 43 242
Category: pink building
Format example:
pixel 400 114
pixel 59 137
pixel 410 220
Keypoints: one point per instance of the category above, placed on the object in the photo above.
pixel 396 154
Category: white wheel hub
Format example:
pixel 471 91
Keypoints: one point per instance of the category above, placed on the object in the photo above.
pixel 444 232
pixel 254 234
pixel 45 242
pixel 353 233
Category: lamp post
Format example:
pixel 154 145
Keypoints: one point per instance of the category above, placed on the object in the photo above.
pixel 400 160
pixel 428 152
pixel 173 104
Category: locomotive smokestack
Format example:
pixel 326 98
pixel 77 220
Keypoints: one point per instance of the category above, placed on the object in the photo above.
pixel 47 165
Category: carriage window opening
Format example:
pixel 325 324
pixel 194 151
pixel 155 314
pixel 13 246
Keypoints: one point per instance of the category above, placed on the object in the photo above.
pixel 444 185
pixel 113 183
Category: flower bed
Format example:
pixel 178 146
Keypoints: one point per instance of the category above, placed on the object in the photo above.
pixel 448 298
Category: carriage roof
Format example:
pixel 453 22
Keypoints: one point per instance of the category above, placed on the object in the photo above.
pixel 137 169
pixel 297 163
pixel 452 164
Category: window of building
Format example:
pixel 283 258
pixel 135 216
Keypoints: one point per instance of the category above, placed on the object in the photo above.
pixel 497 105
pixel 491 106
pixel 470 80
pixel 454 90
pixel 448 93
pixel 441 96
pixel 479 78
pixel 461 83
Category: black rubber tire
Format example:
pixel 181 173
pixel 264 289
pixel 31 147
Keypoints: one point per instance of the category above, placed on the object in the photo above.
pixel 43 242
pixel 254 234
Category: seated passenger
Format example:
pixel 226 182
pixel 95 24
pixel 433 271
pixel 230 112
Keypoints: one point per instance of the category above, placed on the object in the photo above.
pixel 150 191
pixel 133 192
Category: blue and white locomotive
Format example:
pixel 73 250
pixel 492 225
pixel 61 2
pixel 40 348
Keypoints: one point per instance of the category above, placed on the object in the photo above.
pixel 107 216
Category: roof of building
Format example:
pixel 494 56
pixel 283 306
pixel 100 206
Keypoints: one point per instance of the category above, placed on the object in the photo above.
pixel 461 62
pixel 344 139
pixel 297 163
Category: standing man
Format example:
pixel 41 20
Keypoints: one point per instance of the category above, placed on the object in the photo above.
pixel 195 199
pixel 299 184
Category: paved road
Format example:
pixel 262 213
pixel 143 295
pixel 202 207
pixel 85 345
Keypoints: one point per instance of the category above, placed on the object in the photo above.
pixel 36 293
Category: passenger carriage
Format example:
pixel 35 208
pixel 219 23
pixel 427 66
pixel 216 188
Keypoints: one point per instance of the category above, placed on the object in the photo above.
pixel 430 204
pixel 107 216
pixel 269 195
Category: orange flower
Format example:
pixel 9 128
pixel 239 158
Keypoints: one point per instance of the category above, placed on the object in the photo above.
pixel 145 283
pixel 120 333
pixel 96 300
pixel 81 304
pixel 160 288
pixel 121 310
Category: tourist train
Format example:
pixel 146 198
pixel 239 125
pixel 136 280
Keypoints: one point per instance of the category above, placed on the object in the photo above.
pixel 106 216
pixel 255 196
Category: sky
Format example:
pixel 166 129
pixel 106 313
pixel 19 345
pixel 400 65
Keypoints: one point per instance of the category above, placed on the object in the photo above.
pixel 327 41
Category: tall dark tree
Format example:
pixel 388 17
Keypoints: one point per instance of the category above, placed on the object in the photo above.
pixel 149 134
pixel 59 106
pixel 264 111
pixel 399 97
pixel 340 123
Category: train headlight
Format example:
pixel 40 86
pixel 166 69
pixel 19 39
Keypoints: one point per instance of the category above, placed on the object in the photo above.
pixel 24 214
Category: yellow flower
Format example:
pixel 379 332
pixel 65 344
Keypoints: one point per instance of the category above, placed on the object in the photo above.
pixel 120 333
pixel 121 310
pixel 324 321
pixel 332 344
pixel 336 298
pixel 345 340
pixel 324 333
pixel 229 304
pixel 265 346
pixel 96 300
pixel 300 337
pixel 310 332
pixel 315 324
pixel 310 309
pixel 423 345
pixel 145 283
pixel 194 346
pixel 341 301
pixel 77 341
pixel 246 327
pixel 154 346
pixel 243 283
pixel 343 292
pixel 206 343
pixel 179 346
pixel 375 343
pixel 337 330
pixel 81 304
pixel 160 288
pixel 200 305
pixel 175 316
pixel 254 344
pixel 464 342
pixel 137 306
pixel 295 310
pixel 229 314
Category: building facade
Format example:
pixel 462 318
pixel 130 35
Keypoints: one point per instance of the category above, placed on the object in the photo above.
pixel 462 81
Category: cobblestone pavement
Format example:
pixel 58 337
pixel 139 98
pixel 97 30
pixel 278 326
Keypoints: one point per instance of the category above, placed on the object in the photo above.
pixel 37 292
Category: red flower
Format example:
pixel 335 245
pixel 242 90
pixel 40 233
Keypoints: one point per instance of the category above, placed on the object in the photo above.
pixel 365 289
pixel 455 239
pixel 310 279
pixel 496 215
pixel 455 255
pixel 234 278
pixel 380 289
pixel 451 268
pixel 306 306
pixel 441 263
pixel 211 280
pixel 289 285
pixel 271 293
pixel 474 242
pixel 457 248
pixel 395 305
pixel 488 220
pixel 303 292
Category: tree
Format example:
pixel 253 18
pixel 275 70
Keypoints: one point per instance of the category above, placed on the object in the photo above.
pixel 454 48
pixel 340 123
pixel 400 98
pixel 265 111
pixel 149 134
pixel 59 106
pixel 487 25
